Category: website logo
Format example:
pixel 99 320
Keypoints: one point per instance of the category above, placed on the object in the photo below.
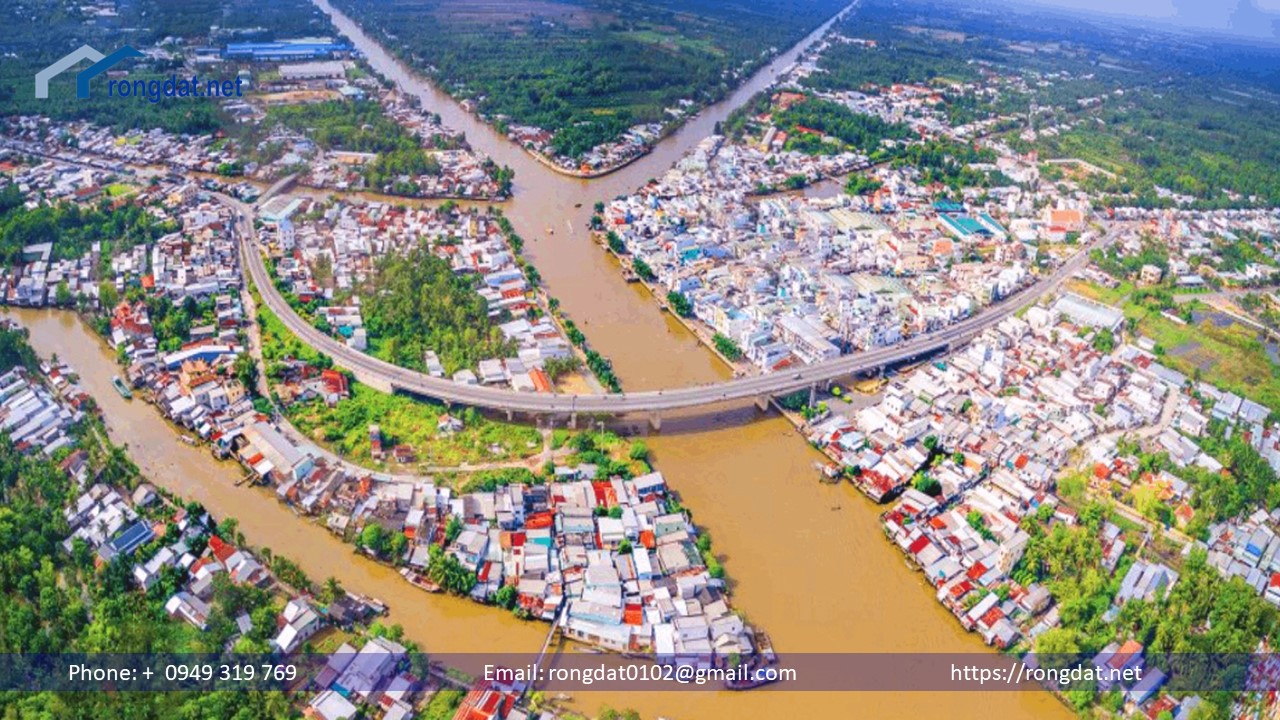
pixel 100 65
pixel 151 89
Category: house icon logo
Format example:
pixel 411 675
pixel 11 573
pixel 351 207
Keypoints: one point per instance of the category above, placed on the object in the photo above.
pixel 101 63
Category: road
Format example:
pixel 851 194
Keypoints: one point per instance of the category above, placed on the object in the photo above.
pixel 379 373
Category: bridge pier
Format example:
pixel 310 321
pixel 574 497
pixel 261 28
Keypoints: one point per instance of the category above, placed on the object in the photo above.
pixel 655 421
pixel 762 403
pixel 511 415
pixel 573 421
pixel 813 394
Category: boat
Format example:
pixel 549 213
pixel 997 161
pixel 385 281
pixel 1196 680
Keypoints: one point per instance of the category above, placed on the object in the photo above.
pixel 419 581
pixel 748 683
pixel 121 388
pixel 764 657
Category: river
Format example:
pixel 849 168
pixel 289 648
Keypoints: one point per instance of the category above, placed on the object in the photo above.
pixel 807 562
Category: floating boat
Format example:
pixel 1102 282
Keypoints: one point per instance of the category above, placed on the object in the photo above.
pixel 419 581
pixel 747 684
pixel 121 388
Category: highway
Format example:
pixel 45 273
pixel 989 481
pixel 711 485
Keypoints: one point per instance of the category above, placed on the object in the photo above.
pixel 375 372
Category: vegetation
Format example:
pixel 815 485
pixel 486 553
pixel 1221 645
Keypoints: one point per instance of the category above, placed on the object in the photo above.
pixel 643 271
pixel 1203 613
pixel 172 323
pixel 345 426
pixel 612 454
pixel 361 126
pixel 358 126
pixel 852 131
pixel 443 704
pixel 416 302
pixel 73 228
pixel 39 32
pixel 586 73
pixel 680 304
pixel 53 601
pixel 861 184
pixel 446 571
pixel 727 347
pixel 1249 483
pixel 1193 120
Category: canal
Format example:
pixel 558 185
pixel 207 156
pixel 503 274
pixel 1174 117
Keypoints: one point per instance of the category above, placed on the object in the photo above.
pixel 807 562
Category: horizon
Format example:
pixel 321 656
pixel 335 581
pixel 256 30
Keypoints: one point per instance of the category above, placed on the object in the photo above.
pixel 1248 19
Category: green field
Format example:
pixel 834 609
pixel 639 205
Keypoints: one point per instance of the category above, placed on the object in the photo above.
pixel 1230 357
pixel 344 428
pixel 1162 112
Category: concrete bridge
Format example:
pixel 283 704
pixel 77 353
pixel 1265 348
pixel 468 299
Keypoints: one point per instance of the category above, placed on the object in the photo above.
pixel 760 388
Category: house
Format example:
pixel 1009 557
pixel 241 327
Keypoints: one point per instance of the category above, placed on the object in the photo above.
pixel 448 424
pixel 1145 581
pixel 329 705
pixel 485 701
pixel 370 667
pixel 297 622
pixel 1152 680
pixel 190 608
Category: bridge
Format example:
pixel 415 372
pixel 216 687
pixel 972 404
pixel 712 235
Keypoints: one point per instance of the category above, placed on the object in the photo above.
pixel 758 388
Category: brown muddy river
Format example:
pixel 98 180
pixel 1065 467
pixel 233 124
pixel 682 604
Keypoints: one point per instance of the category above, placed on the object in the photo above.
pixel 807 562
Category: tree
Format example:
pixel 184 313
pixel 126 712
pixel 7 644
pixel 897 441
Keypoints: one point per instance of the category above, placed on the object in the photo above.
pixel 506 597
pixel 397 546
pixel 331 590
pixel 1057 647
pixel 926 484
pixel 416 302
pixel 1104 341
pixel 375 538
pixel 727 347
pixel 453 529
pixel 245 370
pixel 107 296
pixel 680 304
pixel 643 270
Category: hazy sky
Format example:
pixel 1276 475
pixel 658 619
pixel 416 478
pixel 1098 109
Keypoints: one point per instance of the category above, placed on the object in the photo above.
pixel 1255 18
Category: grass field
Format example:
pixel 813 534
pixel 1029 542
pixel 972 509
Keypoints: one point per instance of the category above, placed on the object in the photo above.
pixel 1228 356
pixel 344 428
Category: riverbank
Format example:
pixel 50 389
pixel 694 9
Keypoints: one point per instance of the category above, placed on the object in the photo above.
pixel 776 514
pixel 692 325
pixel 593 174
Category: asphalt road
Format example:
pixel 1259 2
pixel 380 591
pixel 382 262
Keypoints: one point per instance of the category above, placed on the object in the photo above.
pixel 368 368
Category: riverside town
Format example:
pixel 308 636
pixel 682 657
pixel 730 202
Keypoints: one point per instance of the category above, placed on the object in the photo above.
pixel 628 359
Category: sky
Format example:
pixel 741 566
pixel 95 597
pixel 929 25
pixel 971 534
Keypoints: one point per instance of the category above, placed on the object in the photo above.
pixel 1252 18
